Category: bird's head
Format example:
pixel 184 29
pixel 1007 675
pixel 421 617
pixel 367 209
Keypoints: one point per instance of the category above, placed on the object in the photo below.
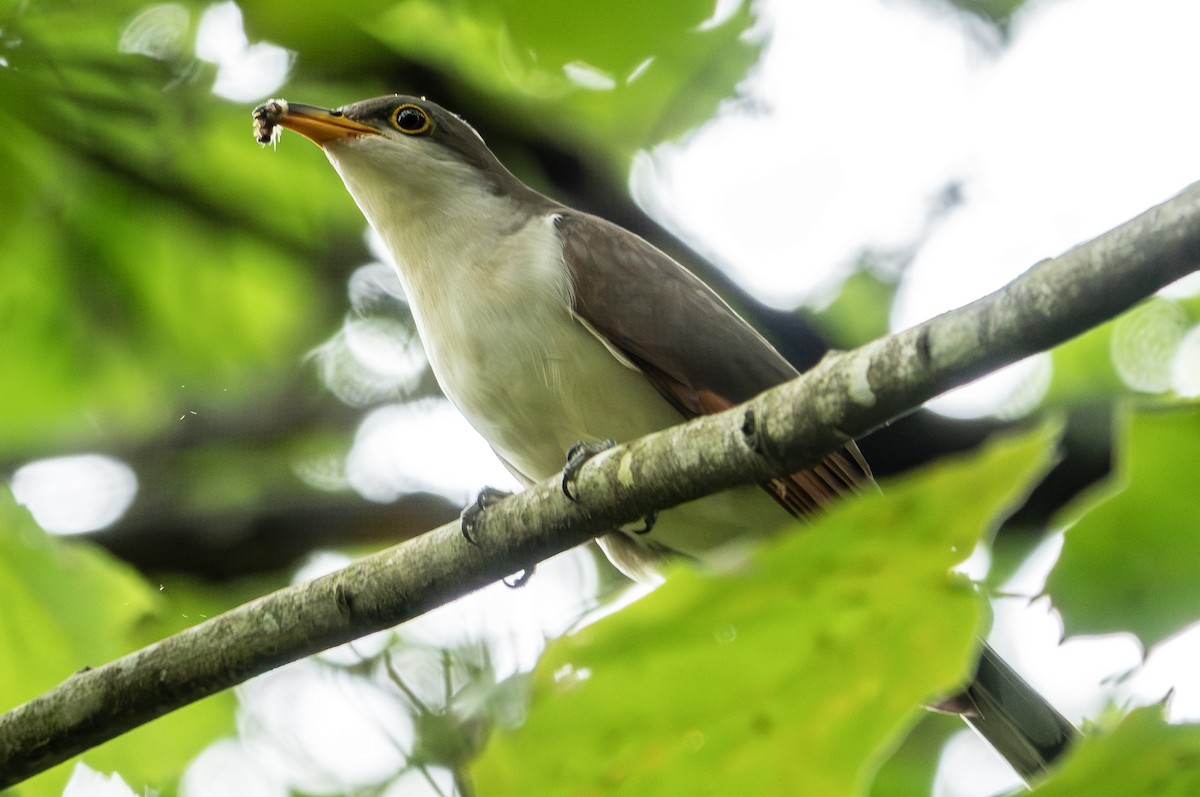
pixel 396 154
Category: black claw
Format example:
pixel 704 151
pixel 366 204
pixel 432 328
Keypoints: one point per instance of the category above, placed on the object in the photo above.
pixel 522 579
pixel 578 454
pixel 470 514
pixel 647 524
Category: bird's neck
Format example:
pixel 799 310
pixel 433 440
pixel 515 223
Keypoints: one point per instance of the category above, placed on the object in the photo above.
pixel 442 221
pixel 471 254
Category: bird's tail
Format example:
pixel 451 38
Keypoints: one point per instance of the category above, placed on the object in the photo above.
pixel 1010 714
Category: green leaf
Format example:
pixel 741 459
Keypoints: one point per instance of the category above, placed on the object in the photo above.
pixel 149 243
pixel 859 313
pixel 911 769
pixel 1130 562
pixel 67 605
pixel 1083 370
pixel 998 12
pixel 807 666
pixel 1131 354
pixel 651 69
pixel 1141 756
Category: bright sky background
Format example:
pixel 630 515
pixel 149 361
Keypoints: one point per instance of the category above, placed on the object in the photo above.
pixel 862 113
pixel 872 108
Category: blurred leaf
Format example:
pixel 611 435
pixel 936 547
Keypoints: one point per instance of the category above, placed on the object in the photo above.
pixel 1141 756
pixel 1130 561
pixel 1131 353
pixel 148 242
pixel 999 12
pixel 631 73
pixel 910 770
pixel 860 312
pixel 806 667
pixel 68 605
pixel 330 36
pixel 1082 369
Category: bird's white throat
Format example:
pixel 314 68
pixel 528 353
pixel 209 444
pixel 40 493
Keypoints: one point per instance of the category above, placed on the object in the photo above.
pixel 491 297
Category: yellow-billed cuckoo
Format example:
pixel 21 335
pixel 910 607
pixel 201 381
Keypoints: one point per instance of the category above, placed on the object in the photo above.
pixel 546 327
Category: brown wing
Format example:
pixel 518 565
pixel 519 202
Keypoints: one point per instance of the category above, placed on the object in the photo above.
pixel 699 354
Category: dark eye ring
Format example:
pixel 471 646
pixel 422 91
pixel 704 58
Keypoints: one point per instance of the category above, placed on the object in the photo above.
pixel 412 120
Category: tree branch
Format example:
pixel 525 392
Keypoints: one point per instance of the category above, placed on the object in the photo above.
pixel 846 395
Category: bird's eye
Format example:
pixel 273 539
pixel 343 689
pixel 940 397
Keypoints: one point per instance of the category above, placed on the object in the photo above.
pixel 412 120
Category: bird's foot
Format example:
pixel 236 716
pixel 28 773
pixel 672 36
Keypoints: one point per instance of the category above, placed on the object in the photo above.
pixel 470 514
pixel 522 579
pixel 647 524
pixel 489 496
pixel 577 455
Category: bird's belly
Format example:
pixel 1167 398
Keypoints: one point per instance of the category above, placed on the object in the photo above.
pixel 541 383
pixel 536 389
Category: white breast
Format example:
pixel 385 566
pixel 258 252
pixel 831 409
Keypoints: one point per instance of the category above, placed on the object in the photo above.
pixel 491 298
pixel 510 354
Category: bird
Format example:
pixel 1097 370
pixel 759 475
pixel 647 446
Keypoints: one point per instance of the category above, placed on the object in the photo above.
pixel 554 331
